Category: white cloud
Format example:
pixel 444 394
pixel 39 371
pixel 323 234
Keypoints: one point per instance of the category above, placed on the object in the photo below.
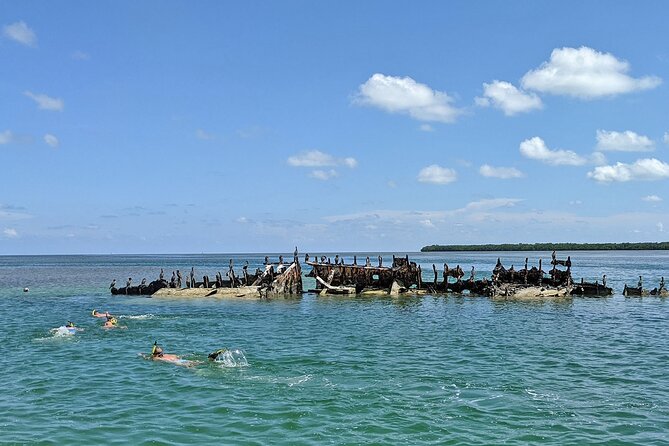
pixel 350 162
pixel 535 148
pixel 10 233
pixel 316 158
pixel 508 98
pixel 201 134
pixel 51 140
pixel 471 208
pixel 21 33
pixel 503 173
pixel 489 204
pixel 45 102
pixel 6 137
pixel 80 55
pixel 652 198
pixel 660 226
pixel 405 95
pixel 426 128
pixel 323 175
pixel 598 158
pixel 665 138
pixel 643 169
pixel 586 74
pixel 427 223
pixel 626 141
pixel 437 175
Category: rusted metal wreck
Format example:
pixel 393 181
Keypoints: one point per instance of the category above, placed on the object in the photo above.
pixel 338 277
pixel 276 279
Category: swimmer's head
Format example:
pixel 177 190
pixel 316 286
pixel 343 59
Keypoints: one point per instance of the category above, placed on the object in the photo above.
pixel 70 324
pixel 157 350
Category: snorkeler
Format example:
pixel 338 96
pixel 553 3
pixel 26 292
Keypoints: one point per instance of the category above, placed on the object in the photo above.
pixel 111 322
pixel 67 329
pixel 157 354
pixel 96 313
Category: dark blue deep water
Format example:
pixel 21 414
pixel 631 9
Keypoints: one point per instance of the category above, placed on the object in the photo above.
pixel 410 370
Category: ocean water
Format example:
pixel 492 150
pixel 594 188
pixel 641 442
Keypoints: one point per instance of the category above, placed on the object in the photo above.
pixel 336 370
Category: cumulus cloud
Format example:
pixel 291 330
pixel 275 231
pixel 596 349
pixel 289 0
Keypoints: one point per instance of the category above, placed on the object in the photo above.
pixel 405 95
pixel 598 158
pixel 45 102
pixel 586 74
pixel 51 140
pixel 643 169
pixel 437 175
pixel 652 198
pixel 626 141
pixel 503 173
pixel 316 158
pixel 10 233
pixel 535 148
pixel 323 175
pixel 427 223
pixel 508 98
pixel 21 33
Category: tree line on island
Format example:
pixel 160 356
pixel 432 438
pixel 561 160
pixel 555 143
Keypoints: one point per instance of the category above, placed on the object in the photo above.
pixel 550 247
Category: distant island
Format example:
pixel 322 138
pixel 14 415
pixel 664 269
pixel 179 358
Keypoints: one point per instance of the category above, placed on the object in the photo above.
pixel 551 247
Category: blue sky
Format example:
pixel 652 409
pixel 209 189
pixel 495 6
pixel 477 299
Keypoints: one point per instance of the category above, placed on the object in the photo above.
pixel 181 127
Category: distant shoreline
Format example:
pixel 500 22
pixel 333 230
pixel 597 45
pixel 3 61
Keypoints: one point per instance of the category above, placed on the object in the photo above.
pixel 644 246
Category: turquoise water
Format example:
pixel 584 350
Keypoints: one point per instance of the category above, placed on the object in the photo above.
pixel 427 370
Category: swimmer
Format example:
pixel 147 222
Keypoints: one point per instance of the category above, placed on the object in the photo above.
pixel 111 322
pixel 157 354
pixel 68 328
pixel 97 313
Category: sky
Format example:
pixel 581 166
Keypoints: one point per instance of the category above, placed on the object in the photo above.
pixel 236 127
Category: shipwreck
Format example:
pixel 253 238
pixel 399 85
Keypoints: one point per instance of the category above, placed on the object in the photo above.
pixel 276 279
pixel 373 277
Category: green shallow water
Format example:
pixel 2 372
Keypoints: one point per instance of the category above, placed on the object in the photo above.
pixel 429 370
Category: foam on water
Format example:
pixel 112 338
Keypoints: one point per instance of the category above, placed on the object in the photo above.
pixel 63 331
pixel 139 317
pixel 232 358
